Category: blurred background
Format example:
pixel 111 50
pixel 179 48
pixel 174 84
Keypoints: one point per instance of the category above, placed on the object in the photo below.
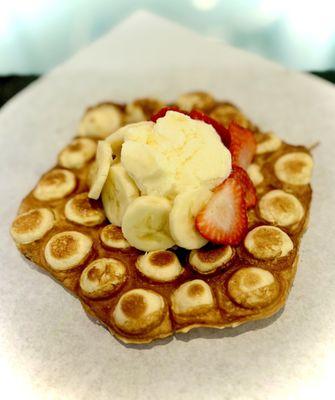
pixel 36 35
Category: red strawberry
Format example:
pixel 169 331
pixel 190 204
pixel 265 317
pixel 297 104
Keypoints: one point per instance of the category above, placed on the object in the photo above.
pixel 161 113
pixel 224 218
pixel 220 129
pixel 247 185
pixel 242 146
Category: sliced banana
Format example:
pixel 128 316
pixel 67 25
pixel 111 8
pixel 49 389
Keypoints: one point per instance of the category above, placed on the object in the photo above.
pixel 112 237
pixel 226 113
pixel 159 266
pixel 206 261
pixel 100 121
pixel 255 174
pixel 268 242
pixel 145 223
pixel 198 100
pixel 103 161
pixel 294 168
pixel 280 208
pixel 81 210
pixel 119 191
pixel 139 311
pixel 102 277
pixel 142 109
pixel 67 250
pixel 192 298
pixel 136 131
pixel 32 225
pixel 78 153
pixel 271 142
pixel 253 287
pixel 185 208
pixel 116 140
pixel 55 185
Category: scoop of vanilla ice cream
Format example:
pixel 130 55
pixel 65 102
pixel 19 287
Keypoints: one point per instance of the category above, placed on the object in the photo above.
pixel 173 155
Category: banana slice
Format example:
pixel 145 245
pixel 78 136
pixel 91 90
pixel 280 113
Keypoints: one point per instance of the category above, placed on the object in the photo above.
pixel 281 208
pixel 138 132
pixel 32 225
pixel 268 242
pixel 159 266
pixel 103 161
pixel 119 191
pixel 116 140
pixel 185 208
pixel 100 121
pixel 142 109
pixel 83 211
pixel 145 223
pixel 67 250
pixel 192 298
pixel 103 277
pixel 255 174
pixel 55 185
pixel 206 261
pixel 270 142
pixel 253 287
pixel 139 311
pixel 199 100
pixel 294 168
pixel 226 113
pixel 112 237
pixel 78 153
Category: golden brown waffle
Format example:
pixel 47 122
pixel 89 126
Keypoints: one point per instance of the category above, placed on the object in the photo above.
pixel 213 287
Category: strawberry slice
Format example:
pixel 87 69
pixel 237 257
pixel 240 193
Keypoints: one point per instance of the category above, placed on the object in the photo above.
pixel 224 218
pixel 161 113
pixel 247 185
pixel 220 129
pixel 242 146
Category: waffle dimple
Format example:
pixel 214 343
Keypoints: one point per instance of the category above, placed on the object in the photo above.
pixel 141 296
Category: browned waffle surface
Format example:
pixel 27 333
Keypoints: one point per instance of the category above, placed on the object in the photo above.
pixel 196 297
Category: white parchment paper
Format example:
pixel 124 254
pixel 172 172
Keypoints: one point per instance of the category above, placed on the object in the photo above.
pixel 49 348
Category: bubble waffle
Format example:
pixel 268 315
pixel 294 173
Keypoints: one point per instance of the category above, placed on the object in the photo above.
pixel 141 296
